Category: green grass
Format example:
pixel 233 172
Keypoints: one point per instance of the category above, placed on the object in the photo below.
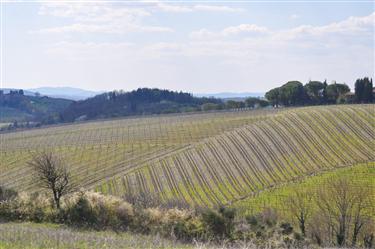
pixel 51 236
pixel 363 175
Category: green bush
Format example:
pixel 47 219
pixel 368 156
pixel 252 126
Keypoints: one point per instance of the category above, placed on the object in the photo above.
pixel 81 213
pixel 190 229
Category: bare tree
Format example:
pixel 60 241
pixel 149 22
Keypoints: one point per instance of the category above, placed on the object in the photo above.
pixel 52 174
pixel 361 206
pixel 301 207
pixel 344 205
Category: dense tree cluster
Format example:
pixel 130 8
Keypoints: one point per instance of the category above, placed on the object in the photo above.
pixel 294 93
pixel 363 90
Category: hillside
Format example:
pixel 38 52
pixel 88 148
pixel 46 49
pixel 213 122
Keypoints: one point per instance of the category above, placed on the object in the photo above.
pixel 17 106
pixel 202 159
pixel 138 102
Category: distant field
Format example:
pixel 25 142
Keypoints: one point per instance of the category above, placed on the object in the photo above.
pixel 202 159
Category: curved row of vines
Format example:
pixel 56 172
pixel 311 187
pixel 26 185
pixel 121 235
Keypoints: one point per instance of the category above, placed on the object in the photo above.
pixel 247 160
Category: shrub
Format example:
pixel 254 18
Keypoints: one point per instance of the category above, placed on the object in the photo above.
pixel 81 213
pixel 7 194
pixel 286 228
pixel 190 229
pixel 125 214
pixel 142 200
pixel 252 220
pixel 269 217
pixel 214 222
pixel 221 223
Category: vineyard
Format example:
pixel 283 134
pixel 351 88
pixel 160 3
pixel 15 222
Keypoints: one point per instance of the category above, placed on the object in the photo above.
pixel 201 159
pixel 277 198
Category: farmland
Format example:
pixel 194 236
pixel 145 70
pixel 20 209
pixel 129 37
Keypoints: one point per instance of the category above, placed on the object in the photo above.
pixel 201 159
pixel 277 198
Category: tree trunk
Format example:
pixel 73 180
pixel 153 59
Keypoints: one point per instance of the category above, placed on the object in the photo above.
pixel 302 225
pixel 56 199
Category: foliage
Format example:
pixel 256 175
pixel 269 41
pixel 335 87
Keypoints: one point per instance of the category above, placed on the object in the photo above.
pixel 231 104
pixel 334 91
pixel 364 90
pixel 220 223
pixel 293 93
pixel 253 102
pixel 314 91
pixel 273 96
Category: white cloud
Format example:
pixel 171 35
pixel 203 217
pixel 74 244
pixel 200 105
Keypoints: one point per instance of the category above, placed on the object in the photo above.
pixel 350 26
pixel 99 17
pixel 235 53
pixel 243 28
pixel 353 26
pixel 217 8
pixel 294 17
pixel 178 8
pixel 86 51
pixel 248 29
pixel 106 29
pixel 173 8
pixel 203 34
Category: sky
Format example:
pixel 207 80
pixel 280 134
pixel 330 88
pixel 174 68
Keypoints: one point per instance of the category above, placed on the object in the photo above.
pixel 194 46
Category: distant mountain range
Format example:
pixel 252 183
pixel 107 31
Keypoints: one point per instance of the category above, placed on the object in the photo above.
pixel 65 92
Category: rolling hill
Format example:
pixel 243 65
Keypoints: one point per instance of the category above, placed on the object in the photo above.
pixel 23 108
pixel 202 159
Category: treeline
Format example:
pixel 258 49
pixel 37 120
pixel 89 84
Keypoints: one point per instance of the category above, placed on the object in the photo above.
pixel 146 101
pixel 142 101
pixel 294 93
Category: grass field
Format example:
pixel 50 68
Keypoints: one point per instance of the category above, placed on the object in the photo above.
pixel 202 159
pixel 49 236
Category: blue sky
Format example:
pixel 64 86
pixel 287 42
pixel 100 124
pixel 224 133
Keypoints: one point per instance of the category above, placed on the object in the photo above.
pixel 195 46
